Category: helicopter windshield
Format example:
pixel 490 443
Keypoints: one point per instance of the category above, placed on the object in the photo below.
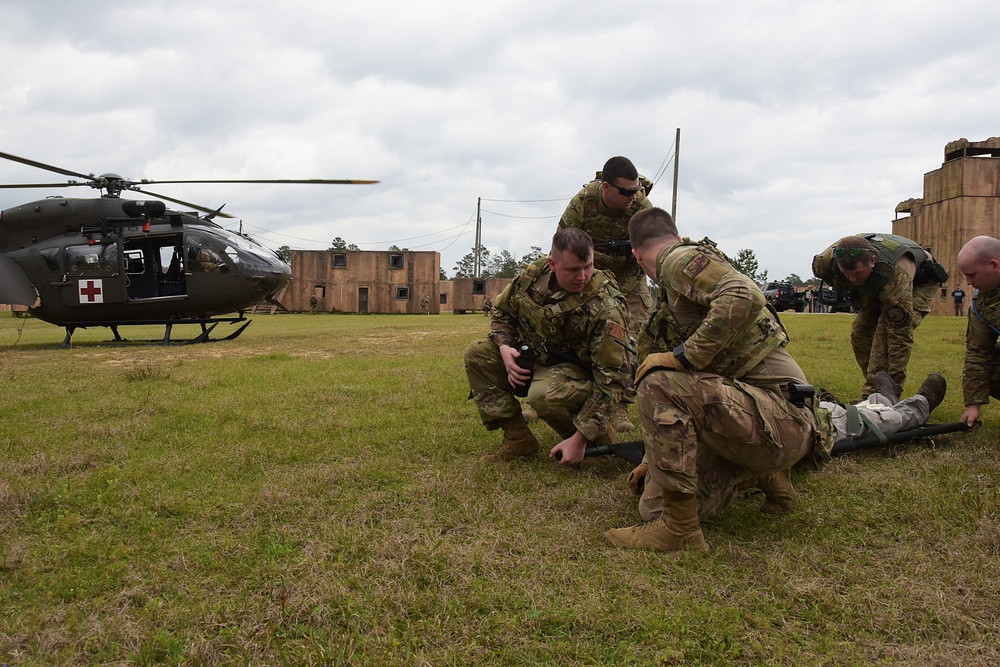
pixel 202 255
pixel 245 252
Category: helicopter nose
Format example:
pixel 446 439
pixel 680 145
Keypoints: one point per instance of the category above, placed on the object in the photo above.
pixel 269 282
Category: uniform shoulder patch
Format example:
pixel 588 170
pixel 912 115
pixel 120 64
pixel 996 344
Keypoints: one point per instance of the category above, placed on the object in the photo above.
pixel 897 315
pixel 696 265
pixel 616 330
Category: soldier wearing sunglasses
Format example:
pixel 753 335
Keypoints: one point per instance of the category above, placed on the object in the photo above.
pixel 891 280
pixel 603 208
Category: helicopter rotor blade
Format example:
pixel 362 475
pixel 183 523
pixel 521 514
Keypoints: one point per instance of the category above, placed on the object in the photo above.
pixel 304 181
pixel 41 185
pixel 46 167
pixel 196 207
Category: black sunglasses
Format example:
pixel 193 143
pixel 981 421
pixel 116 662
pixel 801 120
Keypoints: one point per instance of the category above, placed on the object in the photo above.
pixel 626 192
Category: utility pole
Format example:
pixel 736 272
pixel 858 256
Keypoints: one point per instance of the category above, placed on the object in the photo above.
pixel 677 160
pixel 476 262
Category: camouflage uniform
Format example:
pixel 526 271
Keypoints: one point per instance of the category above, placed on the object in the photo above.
pixel 888 306
pixel 588 212
pixel 980 378
pixel 712 429
pixel 590 327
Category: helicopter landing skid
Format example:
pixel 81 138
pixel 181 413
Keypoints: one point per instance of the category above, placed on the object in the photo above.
pixel 207 326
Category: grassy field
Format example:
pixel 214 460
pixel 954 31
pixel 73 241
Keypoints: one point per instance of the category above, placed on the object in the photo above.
pixel 311 493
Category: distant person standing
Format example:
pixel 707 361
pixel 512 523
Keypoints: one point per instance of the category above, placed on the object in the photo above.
pixel 602 209
pixel 979 262
pixel 959 297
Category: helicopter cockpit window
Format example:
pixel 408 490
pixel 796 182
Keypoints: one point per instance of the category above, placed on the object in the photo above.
pixel 202 256
pixel 51 257
pixel 90 260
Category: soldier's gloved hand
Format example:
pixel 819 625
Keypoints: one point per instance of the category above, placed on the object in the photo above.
pixel 637 479
pixel 658 360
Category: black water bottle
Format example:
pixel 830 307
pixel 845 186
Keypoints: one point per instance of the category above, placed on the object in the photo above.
pixel 527 362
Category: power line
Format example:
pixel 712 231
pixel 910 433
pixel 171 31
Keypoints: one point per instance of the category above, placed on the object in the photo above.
pixel 524 201
pixel 523 217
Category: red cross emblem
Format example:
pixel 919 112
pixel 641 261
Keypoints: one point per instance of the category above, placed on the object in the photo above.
pixel 91 291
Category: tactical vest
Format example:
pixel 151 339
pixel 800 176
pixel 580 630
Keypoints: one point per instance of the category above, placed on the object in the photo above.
pixel 746 350
pixel 542 324
pixel 889 248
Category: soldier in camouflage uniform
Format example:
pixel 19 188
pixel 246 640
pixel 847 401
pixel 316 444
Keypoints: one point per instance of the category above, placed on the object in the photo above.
pixel 891 280
pixel 979 262
pixel 575 319
pixel 713 394
pixel 603 208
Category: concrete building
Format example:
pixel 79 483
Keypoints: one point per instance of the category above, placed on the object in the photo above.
pixel 468 294
pixel 364 281
pixel 961 200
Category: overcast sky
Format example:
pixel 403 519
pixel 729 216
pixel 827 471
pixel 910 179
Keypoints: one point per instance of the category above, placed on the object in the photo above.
pixel 800 121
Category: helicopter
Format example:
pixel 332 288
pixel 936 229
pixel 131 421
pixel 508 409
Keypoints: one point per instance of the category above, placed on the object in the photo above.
pixel 113 261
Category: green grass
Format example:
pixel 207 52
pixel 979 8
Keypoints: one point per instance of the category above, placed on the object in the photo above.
pixel 311 493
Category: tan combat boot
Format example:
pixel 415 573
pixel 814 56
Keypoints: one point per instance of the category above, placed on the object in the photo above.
pixel 780 497
pixel 518 440
pixel 677 528
pixel 620 420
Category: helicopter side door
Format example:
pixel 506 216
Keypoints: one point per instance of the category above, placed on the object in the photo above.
pixel 154 267
pixel 92 274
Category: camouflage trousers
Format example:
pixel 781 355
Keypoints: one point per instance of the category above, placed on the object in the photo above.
pixel 870 341
pixel 557 393
pixel 708 435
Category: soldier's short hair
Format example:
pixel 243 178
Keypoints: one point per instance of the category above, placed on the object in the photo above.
pixel 651 225
pixel 619 167
pixel 853 250
pixel 574 240
pixel 982 249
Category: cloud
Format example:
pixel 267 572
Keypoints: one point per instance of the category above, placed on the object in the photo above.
pixel 800 121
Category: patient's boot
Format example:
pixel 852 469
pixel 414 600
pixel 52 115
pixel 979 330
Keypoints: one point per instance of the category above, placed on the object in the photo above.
pixel 933 389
